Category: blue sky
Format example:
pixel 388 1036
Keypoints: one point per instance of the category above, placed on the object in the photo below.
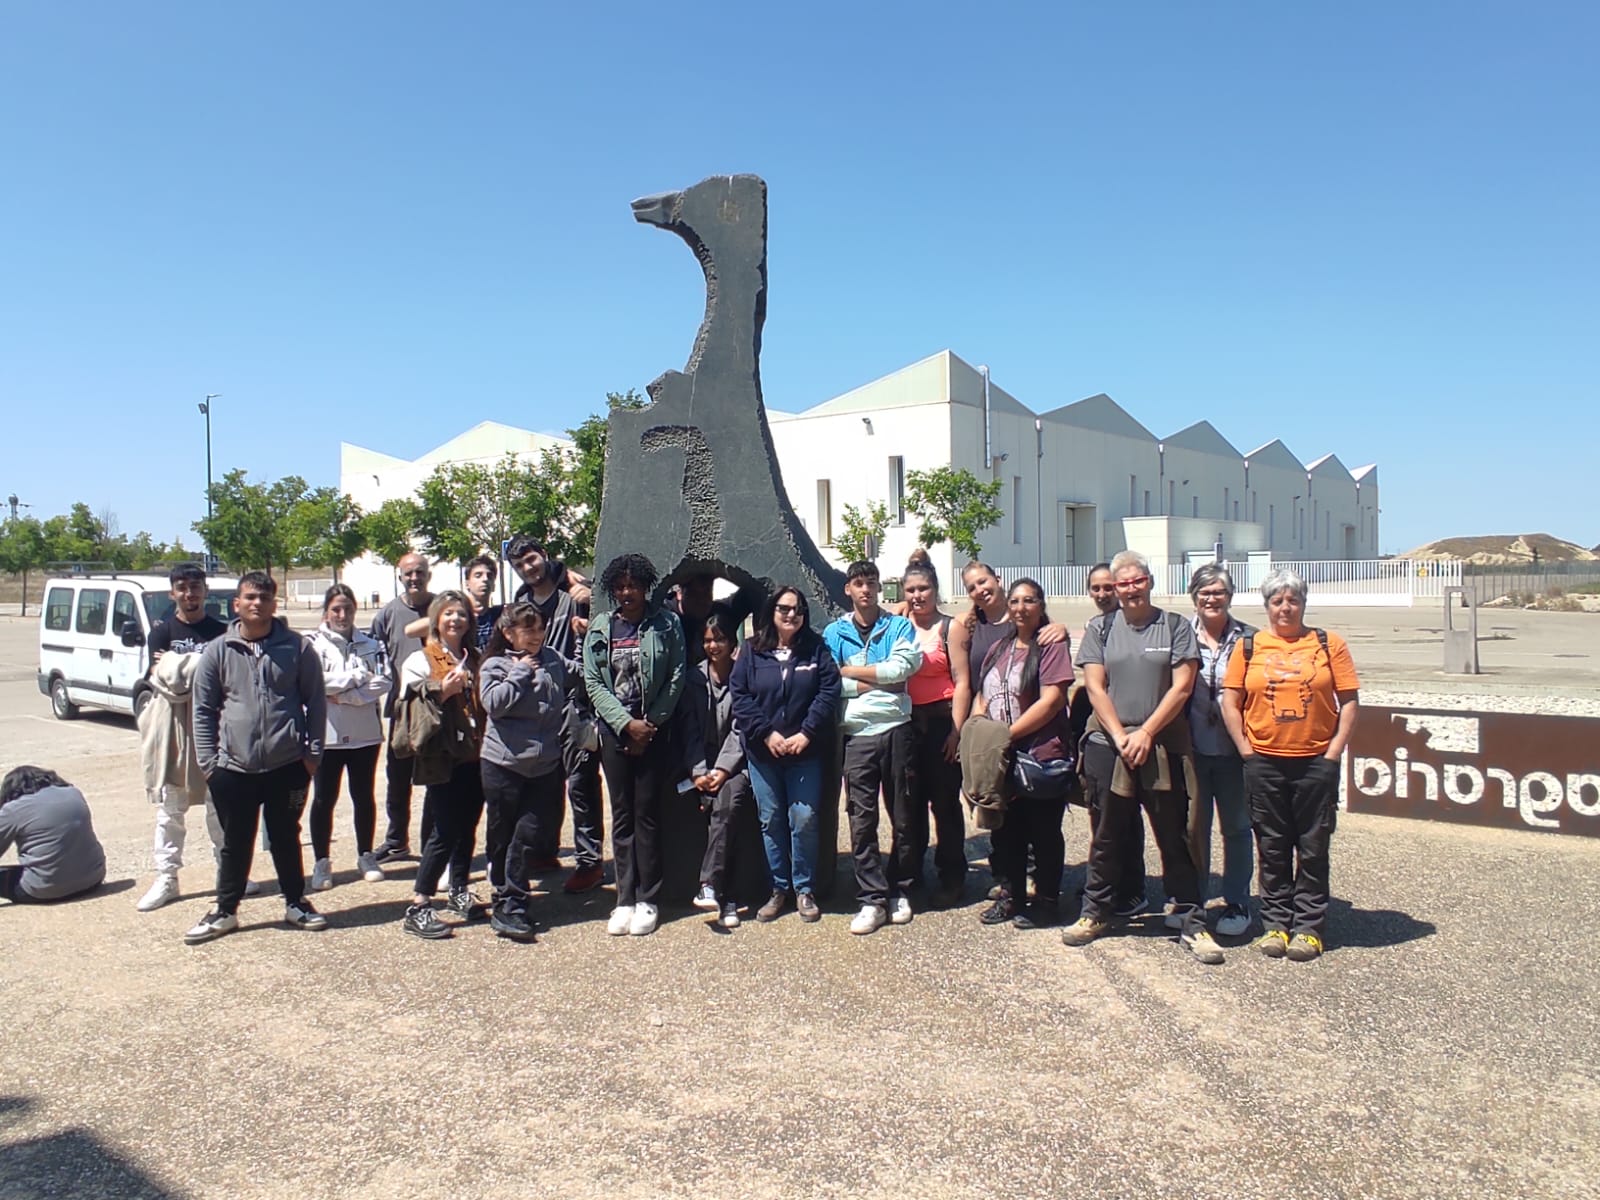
pixel 1366 228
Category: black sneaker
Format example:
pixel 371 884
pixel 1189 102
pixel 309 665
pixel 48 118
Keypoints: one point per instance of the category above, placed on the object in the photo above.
pixel 423 922
pixel 510 924
pixel 1133 906
pixel 998 913
pixel 389 854
pixel 303 916
pixel 1044 912
pixel 948 894
pixel 465 905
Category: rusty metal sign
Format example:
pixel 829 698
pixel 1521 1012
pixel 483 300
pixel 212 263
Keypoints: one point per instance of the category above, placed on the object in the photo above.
pixel 1511 770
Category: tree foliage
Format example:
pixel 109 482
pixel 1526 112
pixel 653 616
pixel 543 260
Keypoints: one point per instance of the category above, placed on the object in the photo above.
pixel 954 505
pixel 326 530
pixel 388 530
pixel 586 476
pixel 252 524
pixel 23 549
pixel 857 527
pixel 469 507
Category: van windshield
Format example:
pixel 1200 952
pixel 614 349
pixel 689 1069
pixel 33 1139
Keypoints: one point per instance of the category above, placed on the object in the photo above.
pixel 219 604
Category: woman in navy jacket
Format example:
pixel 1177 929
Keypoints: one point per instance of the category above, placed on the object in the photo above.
pixel 785 691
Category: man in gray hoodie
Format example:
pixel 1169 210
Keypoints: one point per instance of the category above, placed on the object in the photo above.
pixel 259 715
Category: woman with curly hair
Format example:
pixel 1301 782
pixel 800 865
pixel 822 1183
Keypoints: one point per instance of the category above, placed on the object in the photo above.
pixel 633 668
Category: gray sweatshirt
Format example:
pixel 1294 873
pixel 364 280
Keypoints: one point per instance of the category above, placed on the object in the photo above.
pixel 56 845
pixel 526 702
pixel 258 705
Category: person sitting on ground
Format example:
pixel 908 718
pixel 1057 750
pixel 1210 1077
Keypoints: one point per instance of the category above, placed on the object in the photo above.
pixel 1291 697
pixel 715 759
pixel 47 819
pixel 355 675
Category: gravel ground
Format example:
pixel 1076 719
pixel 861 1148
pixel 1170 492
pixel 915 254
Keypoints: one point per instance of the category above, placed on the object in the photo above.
pixel 1446 1046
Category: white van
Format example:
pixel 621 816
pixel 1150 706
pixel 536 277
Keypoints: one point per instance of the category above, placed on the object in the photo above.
pixel 92 637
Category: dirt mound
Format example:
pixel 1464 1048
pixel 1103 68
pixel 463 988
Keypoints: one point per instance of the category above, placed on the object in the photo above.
pixel 1506 548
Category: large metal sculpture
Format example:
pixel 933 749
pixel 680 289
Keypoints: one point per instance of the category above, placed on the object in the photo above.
pixel 691 478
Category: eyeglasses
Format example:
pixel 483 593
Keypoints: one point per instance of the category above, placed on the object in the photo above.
pixel 787 610
pixel 1213 594
pixel 1131 585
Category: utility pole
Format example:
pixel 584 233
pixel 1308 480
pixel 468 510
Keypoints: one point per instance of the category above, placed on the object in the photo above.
pixel 205 408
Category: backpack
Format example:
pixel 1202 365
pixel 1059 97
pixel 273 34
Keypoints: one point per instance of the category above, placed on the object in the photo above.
pixel 1248 644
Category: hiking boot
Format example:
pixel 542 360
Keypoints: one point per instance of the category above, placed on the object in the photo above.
pixel 423 922
pixel 1274 943
pixel 584 879
pixel 807 904
pixel 1304 947
pixel 774 905
pixel 1197 940
pixel 213 925
pixel 1083 931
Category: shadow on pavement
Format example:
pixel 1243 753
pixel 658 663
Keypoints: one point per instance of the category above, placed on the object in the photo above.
pixel 1373 927
pixel 70 1163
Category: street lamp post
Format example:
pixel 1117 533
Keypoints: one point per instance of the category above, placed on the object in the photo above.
pixel 205 409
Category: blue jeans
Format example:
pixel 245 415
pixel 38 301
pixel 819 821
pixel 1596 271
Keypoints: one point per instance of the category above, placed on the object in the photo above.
pixel 1220 780
pixel 787 792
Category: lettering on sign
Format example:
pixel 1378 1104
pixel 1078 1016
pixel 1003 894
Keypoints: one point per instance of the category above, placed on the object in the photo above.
pixel 1507 769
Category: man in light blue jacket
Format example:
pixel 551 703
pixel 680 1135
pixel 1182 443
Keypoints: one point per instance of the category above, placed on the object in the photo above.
pixel 877 652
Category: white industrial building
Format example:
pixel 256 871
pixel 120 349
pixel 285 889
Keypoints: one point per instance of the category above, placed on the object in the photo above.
pixel 1080 482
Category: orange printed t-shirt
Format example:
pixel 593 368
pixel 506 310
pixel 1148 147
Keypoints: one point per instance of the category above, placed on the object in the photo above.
pixel 1290 697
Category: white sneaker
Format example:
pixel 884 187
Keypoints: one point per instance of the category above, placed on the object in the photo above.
pixel 304 916
pixel 730 916
pixel 871 917
pixel 621 920
pixel 322 875
pixel 644 920
pixel 367 864
pixel 163 891
pixel 900 911
pixel 213 925
pixel 705 899
pixel 252 887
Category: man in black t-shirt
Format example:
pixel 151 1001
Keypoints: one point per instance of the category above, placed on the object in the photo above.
pixel 175 786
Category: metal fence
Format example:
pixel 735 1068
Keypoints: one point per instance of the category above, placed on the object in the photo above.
pixel 1494 580
pixel 1331 583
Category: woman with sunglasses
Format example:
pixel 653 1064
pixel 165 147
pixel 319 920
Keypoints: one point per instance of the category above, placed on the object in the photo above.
pixel 785 687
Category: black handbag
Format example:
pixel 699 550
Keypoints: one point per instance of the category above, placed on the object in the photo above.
pixel 1052 779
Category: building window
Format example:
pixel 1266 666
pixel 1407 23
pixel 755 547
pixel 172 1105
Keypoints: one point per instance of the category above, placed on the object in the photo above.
pixel 1147 502
pixel 1194 506
pixel 1133 495
pixel 1235 510
pixel 825 512
pixel 1016 510
pixel 897 489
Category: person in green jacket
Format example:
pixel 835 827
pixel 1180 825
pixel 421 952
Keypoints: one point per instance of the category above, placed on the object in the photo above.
pixel 633 668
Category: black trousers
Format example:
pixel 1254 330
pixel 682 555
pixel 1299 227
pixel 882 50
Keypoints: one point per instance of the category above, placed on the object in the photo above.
pixel 245 801
pixel 638 784
pixel 397 803
pixel 732 803
pixel 936 789
pixel 362 766
pixel 588 816
pixel 881 762
pixel 522 808
pixel 1031 824
pixel 1108 856
pixel 450 814
pixel 1294 806
pixel 1132 852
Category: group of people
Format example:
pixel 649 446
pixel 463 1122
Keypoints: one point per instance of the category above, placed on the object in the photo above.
pixel 516 710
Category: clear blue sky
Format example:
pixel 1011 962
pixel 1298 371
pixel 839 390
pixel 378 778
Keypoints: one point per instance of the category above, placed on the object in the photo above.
pixel 1366 228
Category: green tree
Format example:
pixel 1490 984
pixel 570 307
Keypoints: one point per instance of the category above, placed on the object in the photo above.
pixel 389 528
pixel 467 508
pixel 586 475
pixel 72 538
pixel 858 527
pixel 326 530
pixel 954 505
pixel 251 523
pixel 23 548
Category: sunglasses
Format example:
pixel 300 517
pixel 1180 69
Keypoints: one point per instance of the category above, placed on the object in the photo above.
pixel 787 610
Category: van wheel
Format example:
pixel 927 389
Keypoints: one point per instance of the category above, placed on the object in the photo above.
pixel 63 707
pixel 141 701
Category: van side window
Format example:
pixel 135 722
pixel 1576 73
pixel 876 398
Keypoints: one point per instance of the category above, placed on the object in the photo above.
pixel 122 612
pixel 58 610
pixel 92 605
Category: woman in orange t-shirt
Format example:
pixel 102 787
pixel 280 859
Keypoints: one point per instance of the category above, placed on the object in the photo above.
pixel 1290 701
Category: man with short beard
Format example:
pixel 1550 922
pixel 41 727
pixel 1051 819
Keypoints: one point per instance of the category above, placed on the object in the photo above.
pixel 389 628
